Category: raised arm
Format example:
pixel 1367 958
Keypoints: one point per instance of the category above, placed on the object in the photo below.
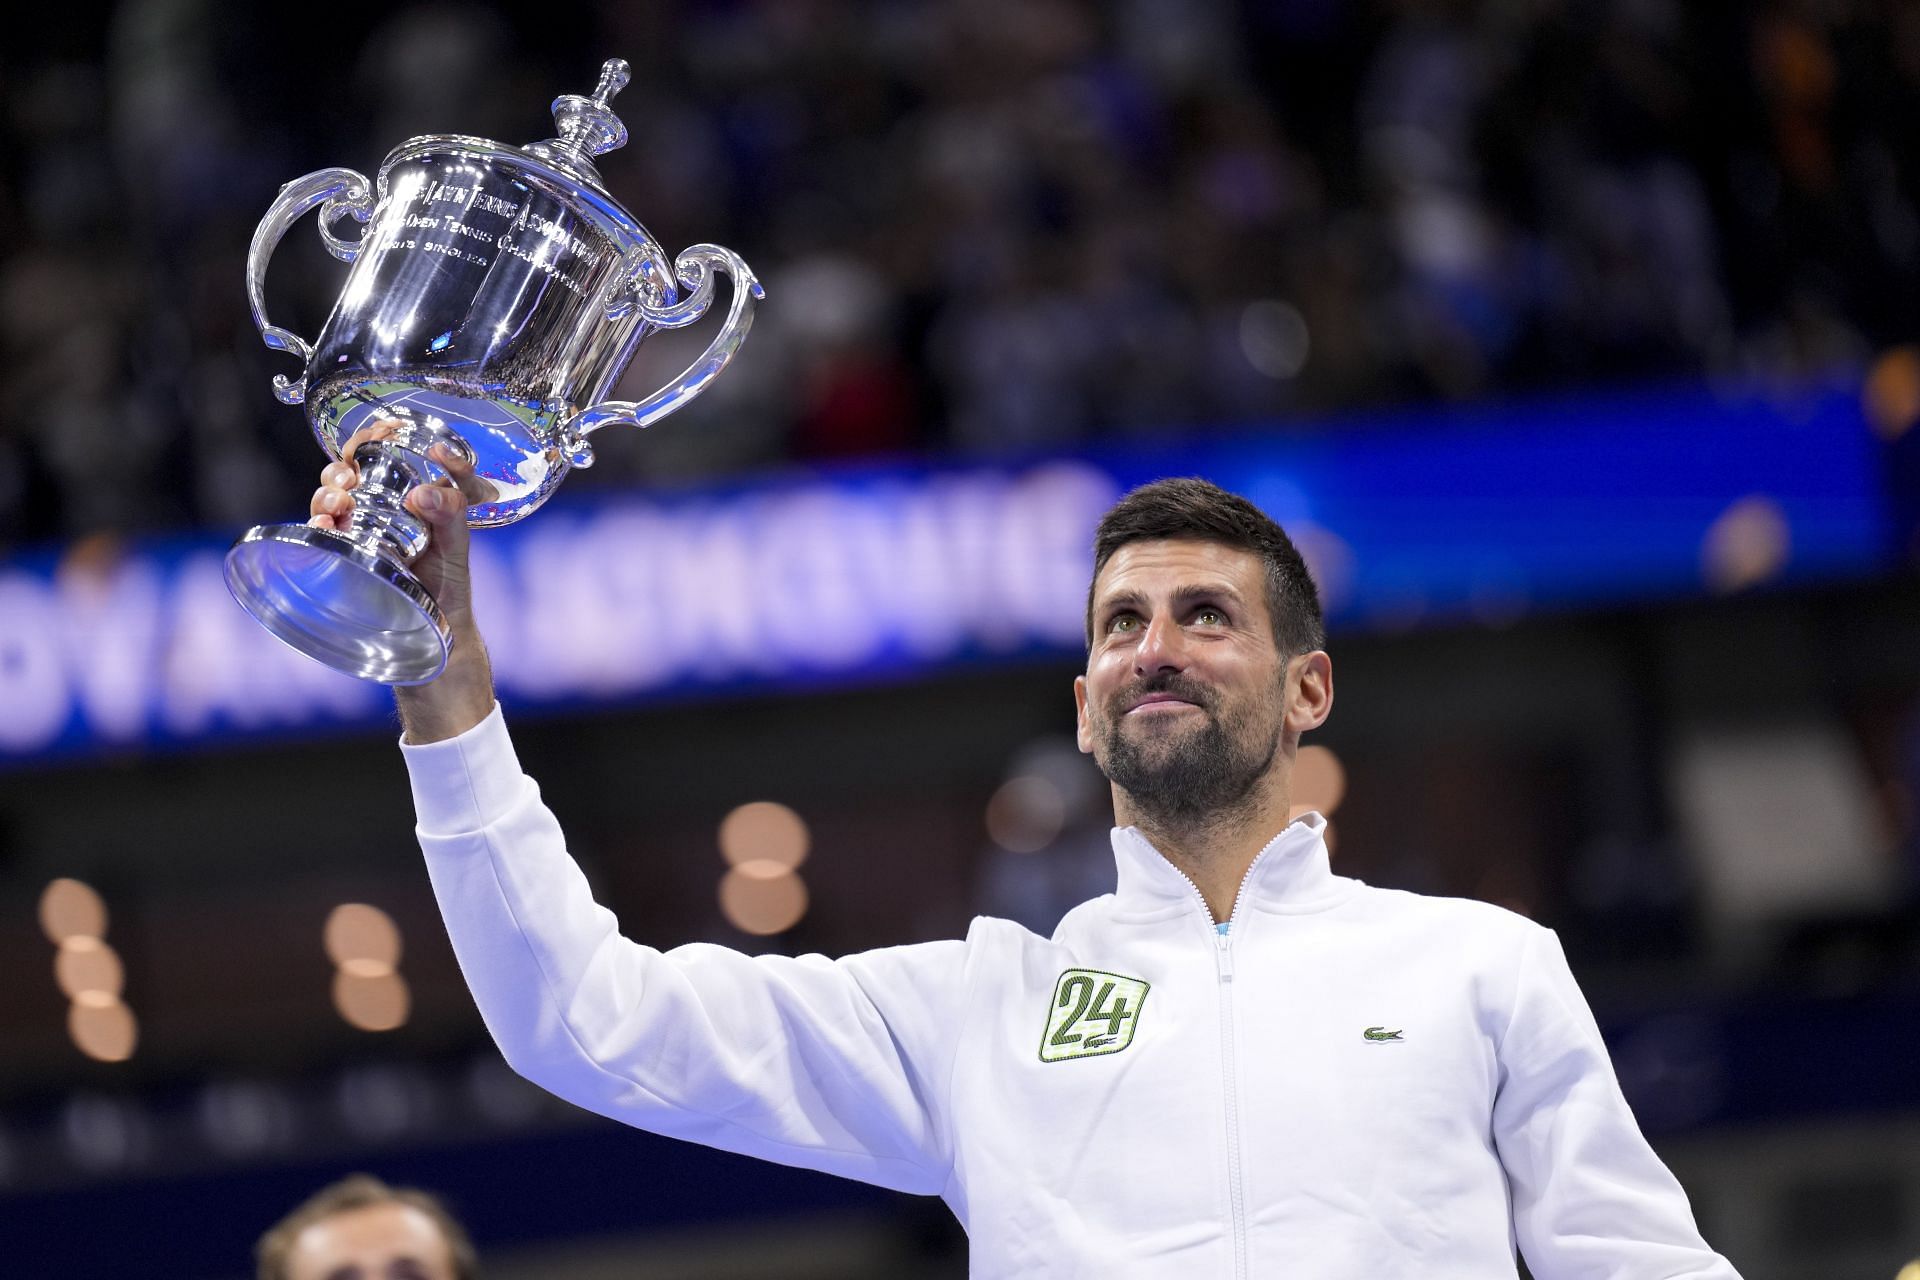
pixel 834 1065
pixel 837 1065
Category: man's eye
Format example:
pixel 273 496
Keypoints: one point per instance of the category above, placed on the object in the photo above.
pixel 1123 623
pixel 1210 617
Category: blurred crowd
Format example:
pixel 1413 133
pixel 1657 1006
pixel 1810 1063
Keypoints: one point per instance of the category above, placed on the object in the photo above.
pixel 985 227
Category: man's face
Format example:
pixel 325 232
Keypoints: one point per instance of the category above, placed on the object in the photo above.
pixel 380 1242
pixel 1183 703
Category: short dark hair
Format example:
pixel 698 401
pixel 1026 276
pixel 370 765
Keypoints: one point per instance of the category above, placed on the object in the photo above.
pixel 1201 511
pixel 361 1191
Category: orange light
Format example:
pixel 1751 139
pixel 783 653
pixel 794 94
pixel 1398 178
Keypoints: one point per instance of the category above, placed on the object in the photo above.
pixel 71 909
pixel 371 1001
pixel 102 1027
pixel 1026 814
pixel 762 897
pixel 1746 546
pixel 1891 395
pixel 366 967
pixel 1319 781
pixel 87 966
pixel 764 831
pixel 90 560
pixel 356 931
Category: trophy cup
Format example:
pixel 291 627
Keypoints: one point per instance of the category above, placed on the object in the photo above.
pixel 496 295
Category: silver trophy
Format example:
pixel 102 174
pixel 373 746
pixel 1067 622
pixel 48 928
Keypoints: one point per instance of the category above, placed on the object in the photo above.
pixel 496 296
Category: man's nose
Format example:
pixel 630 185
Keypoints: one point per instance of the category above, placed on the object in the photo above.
pixel 1162 648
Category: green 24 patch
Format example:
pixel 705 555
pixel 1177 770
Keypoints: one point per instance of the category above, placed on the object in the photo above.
pixel 1091 1013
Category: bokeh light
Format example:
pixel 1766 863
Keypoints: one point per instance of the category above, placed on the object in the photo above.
pixel 246 1117
pixel 86 965
pixel 1748 545
pixel 1329 558
pixel 105 1133
pixel 89 562
pixel 762 897
pixel 102 1028
pixel 1026 814
pixel 1319 781
pixel 764 831
pixel 366 967
pixel 71 909
pixel 502 1094
pixel 1273 338
pixel 383 1100
pixel 371 999
pixel 358 932
pixel 364 944
pixel 1891 395
pixel 88 971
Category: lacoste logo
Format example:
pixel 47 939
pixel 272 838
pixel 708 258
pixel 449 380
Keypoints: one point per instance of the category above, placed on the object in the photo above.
pixel 1380 1035
pixel 1091 1013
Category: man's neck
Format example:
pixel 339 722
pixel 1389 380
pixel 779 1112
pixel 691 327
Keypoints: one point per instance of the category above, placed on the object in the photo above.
pixel 1215 853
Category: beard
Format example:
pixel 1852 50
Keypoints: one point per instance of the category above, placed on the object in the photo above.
pixel 1180 775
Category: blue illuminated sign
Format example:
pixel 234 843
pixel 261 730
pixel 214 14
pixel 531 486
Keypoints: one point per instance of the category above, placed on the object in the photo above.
pixel 871 572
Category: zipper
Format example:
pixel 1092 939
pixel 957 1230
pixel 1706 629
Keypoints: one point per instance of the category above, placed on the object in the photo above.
pixel 1236 1195
pixel 1223 964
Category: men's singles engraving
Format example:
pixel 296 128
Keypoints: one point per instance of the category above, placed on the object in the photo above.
pixel 541 241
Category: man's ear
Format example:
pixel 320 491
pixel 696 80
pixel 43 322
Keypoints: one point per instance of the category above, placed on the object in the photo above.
pixel 1310 691
pixel 1083 732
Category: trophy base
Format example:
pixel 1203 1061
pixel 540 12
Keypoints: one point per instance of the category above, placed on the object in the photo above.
pixel 358 610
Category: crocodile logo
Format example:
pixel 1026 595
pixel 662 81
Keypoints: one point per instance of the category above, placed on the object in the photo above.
pixel 1380 1035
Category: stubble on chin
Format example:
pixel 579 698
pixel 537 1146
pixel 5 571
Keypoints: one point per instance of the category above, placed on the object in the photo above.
pixel 1171 773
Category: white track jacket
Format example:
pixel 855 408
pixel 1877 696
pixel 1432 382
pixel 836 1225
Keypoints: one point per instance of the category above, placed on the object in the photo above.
pixel 1351 1083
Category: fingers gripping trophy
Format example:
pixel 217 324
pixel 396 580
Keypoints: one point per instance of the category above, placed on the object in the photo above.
pixel 496 296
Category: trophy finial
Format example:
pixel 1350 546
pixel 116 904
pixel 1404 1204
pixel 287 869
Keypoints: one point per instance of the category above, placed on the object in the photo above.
pixel 614 74
pixel 588 126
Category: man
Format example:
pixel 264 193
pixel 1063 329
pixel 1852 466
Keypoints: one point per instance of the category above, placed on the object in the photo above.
pixel 362 1229
pixel 1237 1064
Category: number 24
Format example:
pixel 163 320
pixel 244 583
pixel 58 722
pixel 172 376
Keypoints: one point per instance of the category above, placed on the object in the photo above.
pixel 1114 1016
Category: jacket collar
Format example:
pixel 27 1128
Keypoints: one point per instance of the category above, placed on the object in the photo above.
pixel 1290 874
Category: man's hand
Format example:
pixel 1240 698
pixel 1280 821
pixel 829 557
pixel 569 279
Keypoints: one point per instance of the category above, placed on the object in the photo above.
pixel 462 695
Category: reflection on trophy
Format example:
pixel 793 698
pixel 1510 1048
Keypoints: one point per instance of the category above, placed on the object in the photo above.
pixel 496 296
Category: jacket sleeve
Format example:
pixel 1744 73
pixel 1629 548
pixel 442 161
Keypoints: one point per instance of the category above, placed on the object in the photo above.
pixel 1590 1198
pixel 840 1066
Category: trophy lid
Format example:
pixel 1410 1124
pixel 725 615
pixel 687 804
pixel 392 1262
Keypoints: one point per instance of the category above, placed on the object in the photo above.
pixel 561 166
pixel 588 126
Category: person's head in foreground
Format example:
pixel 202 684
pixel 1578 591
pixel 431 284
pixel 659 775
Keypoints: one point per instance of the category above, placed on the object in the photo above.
pixel 1205 656
pixel 362 1229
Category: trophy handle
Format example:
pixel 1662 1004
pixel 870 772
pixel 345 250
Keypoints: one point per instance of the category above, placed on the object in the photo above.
pixel 695 269
pixel 338 191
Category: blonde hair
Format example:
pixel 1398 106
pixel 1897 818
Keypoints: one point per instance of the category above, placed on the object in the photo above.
pixel 361 1191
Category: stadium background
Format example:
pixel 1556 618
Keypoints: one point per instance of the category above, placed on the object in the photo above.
pixel 1576 339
